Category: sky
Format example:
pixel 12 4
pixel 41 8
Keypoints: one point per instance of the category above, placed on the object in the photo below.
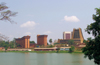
pixel 50 17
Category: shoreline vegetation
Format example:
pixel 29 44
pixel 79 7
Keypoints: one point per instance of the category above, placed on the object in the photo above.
pixel 43 51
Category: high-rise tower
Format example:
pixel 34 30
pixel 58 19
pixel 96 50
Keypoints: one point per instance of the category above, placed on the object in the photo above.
pixel 77 35
pixel 42 40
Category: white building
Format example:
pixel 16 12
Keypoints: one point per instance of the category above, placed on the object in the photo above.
pixel 67 35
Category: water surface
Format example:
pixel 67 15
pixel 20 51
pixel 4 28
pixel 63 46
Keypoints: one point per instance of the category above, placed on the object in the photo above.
pixel 10 58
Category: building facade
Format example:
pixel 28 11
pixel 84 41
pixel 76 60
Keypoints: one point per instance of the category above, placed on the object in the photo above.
pixel 67 35
pixel 77 36
pixel 24 41
pixel 42 40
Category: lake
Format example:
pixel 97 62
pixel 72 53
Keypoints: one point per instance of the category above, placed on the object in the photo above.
pixel 12 58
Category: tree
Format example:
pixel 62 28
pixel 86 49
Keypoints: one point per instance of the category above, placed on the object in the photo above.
pixel 4 44
pixel 3 37
pixel 92 49
pixel 57 49
pixel 11 44
pixel 50 41
pixel 71 49
pixel 71 42
pixel 32 42
pixel 6 15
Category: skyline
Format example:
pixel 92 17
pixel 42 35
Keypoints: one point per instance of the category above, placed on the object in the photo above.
pixel 48 17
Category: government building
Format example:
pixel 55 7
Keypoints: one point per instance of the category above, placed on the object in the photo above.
pixel 76 35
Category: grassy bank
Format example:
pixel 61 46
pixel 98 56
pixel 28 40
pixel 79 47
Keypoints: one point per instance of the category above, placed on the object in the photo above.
pixel 42 51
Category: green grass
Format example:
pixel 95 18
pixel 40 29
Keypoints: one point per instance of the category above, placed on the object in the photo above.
pixel 42 51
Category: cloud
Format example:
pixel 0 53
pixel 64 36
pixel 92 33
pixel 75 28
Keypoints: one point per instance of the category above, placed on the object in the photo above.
pixel 29 24
pixel 27 33
pixel 71 19
pixel 47 32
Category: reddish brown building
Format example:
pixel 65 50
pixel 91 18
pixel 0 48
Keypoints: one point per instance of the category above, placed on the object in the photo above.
pixel 24 41
pixel 32 45
pixel 42 40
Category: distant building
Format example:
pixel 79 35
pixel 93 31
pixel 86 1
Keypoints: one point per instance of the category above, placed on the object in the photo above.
pixel 1 48
pixel 24 41
pixel 65 48
pixel 42 40
pixel 77 36
pixel 45 49
pixel 67 35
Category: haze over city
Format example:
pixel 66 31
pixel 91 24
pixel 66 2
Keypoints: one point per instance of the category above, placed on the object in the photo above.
pixel 50 17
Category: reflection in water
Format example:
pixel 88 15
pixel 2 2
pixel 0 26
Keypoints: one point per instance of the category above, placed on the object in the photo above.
pixel 43 59
pixel 27 60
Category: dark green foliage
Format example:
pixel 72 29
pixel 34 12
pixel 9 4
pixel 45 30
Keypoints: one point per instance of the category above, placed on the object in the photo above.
pixel 47 43
pixel 18 45
pixel 11 45
pixel 92 49
pixel 51 46
pixel 50 40
pixel 58 49
pixel 32 42
pixel 56 43
pixel 7 44
pixel 4 44
pixel 71 49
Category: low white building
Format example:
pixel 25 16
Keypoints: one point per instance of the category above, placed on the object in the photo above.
pixel 65 48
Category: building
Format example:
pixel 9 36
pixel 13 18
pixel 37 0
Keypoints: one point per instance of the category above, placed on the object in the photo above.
pixel 67 35
pixel 45 49
pixel 42 40
pixel 24 41
pixel 77 36
pixel 65 48
pixel 1 48
pixel 81 45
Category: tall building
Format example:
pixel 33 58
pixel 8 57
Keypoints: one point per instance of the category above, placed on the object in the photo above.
pixel 42 40
pixel 76 35
pixel 67 35
pixel 24 41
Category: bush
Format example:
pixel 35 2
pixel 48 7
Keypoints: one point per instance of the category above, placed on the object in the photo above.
pixel 71 49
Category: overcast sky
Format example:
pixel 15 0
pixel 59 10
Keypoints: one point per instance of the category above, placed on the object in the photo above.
pixel 51 17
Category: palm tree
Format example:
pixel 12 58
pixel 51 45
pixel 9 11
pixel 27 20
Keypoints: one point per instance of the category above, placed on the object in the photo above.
pixel 50 41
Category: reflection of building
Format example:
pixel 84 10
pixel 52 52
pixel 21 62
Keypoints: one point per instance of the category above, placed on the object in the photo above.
pixel 24 41
pixel 42 40
pixel 77 36
pixel 66 35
